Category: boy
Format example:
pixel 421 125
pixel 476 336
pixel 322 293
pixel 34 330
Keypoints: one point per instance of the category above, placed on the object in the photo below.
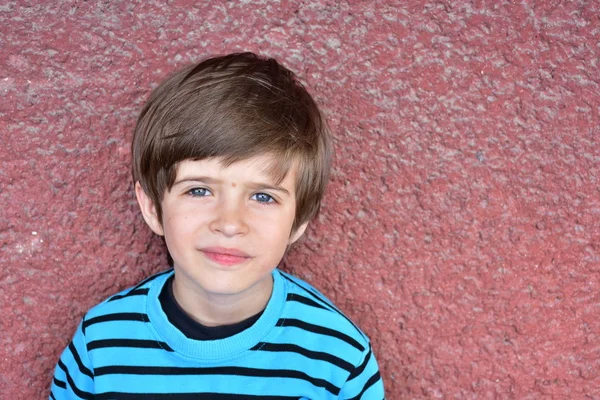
pixel 230 161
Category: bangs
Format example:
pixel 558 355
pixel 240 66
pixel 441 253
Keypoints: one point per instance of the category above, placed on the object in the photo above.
pixel 234 108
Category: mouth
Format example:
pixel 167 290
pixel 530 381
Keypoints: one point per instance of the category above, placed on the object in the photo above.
pixel 225 256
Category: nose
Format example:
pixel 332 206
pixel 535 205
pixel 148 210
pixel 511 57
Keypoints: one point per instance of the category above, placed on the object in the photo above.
pixel 229 220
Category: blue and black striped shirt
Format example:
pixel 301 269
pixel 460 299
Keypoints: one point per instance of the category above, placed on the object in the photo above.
pixel 301 347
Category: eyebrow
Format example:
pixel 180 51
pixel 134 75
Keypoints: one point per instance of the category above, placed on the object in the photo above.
pixel 261 186
pixel 205 179
pixel 213 181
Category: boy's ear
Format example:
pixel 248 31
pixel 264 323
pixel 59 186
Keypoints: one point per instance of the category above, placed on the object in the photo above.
pixel 298 233
pixel 148 210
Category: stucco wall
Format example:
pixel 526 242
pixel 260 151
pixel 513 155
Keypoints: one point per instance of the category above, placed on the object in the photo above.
pixel 461 227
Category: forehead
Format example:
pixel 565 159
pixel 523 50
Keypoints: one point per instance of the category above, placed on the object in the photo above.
pixel 263 168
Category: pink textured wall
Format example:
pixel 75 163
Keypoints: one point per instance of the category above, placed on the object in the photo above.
pixel 461 228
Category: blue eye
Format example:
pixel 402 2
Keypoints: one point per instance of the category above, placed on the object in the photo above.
pixel 263 198
pixel 199 192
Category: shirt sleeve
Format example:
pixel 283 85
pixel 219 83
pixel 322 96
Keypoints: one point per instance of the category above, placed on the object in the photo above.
pixel 364 383
pixel 73 376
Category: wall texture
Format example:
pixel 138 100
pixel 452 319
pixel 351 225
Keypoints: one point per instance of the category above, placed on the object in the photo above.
pixel 461 229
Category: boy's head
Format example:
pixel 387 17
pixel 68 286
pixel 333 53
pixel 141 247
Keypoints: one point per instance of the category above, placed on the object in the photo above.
pixel 234 108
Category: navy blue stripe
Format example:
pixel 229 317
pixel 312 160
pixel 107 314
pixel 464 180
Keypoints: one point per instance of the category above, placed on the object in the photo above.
pixel 372 380
pixel 151 278
pixel 60 384
pixel 314 355
pixel 76 390
pixel 116 317
pixel 188 396
pixel 84 370
pixel 359 370
pixel 320 330
pixel 132 292
pixel 235 371
pixel 319 298
pixel 136 343
pixel 304 300
pixel 136 291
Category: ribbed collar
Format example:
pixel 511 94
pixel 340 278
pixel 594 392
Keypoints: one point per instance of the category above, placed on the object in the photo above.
pixel 214 350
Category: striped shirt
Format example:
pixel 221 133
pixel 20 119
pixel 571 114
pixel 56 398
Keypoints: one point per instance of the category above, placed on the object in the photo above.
pixel 301 347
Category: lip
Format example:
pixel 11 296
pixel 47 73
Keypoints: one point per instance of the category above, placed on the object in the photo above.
pixel 225 256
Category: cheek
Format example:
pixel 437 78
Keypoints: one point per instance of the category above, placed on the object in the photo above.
pixel 178 224
pixel 275 231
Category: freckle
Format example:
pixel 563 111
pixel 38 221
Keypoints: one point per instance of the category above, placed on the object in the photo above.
pixel 233 184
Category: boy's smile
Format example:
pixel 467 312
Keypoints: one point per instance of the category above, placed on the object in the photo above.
pixel 225 256
pixel 226 229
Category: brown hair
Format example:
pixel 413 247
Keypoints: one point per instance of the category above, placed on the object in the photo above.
pixel 235 106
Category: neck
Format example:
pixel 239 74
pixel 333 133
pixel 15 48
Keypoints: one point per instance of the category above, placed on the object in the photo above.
pixel 212 309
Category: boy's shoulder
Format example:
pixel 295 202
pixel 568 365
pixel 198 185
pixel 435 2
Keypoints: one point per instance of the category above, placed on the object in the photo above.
pixel 128 303
pixel 311 309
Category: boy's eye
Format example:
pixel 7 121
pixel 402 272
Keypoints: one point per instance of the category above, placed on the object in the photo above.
pixel 263 198
pixel 199 192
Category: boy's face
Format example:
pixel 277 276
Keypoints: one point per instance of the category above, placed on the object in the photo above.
pixel 226 228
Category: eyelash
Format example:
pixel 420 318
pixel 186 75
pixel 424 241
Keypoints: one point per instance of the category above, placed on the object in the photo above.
pixel 205 192
pixel 270 201
pixel 192 192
